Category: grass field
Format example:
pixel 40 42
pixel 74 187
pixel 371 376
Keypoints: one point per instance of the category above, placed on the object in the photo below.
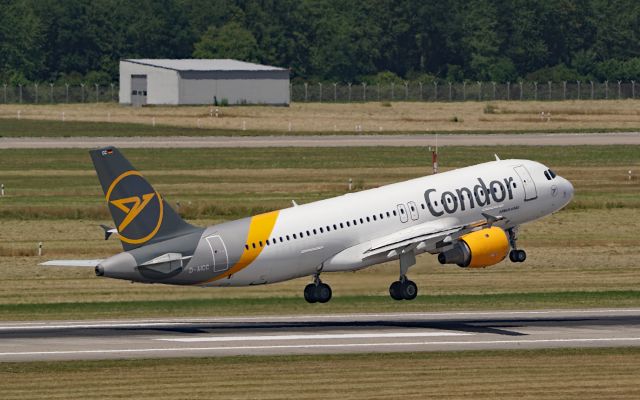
pixel 107 119
pixel 588 250
pixel 532 374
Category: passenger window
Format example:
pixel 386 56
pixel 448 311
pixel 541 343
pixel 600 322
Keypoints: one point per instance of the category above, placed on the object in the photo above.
pixel 374 218
pixel 355 223
pixel 422 205
pixel 321 230
pixel 246 246
pixel 341 225
pixel 288 237
pixel 267 242
pixel 388 215
pixel 335 227
pixel 294 236
pixel 328 228
pixel 348 224
pixel 381 216
pixel 395 214
pixel 281 239
pixel 260 242
pixel 361 221
pixel 368 219
pixel 253 245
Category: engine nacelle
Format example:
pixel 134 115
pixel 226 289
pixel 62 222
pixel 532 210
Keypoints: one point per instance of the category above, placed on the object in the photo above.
pixel 478 249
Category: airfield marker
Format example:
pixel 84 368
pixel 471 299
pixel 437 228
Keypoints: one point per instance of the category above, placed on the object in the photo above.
pixel 39 249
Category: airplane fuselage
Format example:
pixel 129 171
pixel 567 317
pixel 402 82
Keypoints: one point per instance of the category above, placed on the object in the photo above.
pixel 332 235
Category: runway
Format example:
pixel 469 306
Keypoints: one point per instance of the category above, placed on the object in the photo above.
pixel 318 334
pixel 417 140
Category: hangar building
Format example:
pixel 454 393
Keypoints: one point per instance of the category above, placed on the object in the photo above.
pixel 175 82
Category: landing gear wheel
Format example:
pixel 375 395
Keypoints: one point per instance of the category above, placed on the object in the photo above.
pixel 323 293
pixel 395 290
pixel 310 293
pixel 409 290
pixel 517 256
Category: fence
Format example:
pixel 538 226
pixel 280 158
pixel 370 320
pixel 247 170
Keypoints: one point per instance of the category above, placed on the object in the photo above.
pixel 48 93
pixel 465 91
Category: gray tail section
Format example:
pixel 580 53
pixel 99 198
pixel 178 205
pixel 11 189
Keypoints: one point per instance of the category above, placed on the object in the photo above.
pixel 140 213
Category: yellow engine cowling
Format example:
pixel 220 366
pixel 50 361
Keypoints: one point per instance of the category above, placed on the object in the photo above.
pixel 478 249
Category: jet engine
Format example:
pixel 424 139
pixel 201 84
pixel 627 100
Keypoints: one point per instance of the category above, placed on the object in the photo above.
pixel 478 249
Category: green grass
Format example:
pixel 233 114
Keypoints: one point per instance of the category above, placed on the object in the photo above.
pixel 293 305
pixel 325 158
pixel 46 128
pixel 584 374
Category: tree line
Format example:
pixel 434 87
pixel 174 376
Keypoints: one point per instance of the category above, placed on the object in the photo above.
pixel 372 41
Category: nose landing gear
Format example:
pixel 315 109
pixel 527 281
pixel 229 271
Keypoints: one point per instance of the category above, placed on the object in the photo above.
pixel 515 255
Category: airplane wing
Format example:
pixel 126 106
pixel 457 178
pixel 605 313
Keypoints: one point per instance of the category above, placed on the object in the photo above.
pixel 427 235
pixel 71 263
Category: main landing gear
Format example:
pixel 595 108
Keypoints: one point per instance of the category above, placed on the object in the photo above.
pixel 317 292
pixel 404 289
pixel 515 255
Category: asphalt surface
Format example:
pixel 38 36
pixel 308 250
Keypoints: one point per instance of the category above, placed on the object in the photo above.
pixel 524 139
pixel 318 334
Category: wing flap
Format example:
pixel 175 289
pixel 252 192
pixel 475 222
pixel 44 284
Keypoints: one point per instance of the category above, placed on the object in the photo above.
pixel 426 235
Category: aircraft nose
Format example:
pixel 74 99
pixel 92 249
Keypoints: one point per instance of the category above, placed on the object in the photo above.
pixel 567 189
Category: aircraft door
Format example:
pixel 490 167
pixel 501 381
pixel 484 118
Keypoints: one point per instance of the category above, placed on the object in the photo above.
pixel 413 211
pixel 219 253
pixel 402 212
pixel 530 192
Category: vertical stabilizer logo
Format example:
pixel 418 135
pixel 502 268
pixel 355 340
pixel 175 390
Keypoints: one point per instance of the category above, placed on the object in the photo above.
pixel 136 208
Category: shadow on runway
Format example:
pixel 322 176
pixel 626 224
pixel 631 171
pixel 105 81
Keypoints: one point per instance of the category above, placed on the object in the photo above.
pixel 498 326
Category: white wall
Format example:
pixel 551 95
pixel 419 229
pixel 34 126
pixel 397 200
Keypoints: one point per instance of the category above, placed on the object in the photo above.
pixel 236 91
pixel 162 84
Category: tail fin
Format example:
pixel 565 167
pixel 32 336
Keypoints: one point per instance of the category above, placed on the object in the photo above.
pixel 141 215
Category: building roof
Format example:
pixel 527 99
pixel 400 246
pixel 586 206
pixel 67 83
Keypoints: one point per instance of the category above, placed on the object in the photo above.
pixel 224 64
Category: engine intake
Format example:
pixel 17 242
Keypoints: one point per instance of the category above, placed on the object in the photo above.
pixel 478 249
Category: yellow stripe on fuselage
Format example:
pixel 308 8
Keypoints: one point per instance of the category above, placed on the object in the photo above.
pixel 260 229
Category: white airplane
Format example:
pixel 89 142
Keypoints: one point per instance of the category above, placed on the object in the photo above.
pixel 467 217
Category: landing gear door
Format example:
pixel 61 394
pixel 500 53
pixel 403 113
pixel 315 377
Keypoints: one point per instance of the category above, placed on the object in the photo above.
pixel 530 192
pixel 219 253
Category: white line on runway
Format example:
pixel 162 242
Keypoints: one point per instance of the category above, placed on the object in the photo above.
pixel 313 346
pixel 312 336
pixel 269 318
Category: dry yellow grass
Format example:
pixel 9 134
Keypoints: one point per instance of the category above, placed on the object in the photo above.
pixel 536 374
pixel 371 117
pixel 592 250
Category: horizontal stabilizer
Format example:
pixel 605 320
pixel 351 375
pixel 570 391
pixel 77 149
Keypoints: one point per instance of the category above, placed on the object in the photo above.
pixel 72 263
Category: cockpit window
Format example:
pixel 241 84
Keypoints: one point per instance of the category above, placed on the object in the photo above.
pixel 553 174
pixel 546 174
